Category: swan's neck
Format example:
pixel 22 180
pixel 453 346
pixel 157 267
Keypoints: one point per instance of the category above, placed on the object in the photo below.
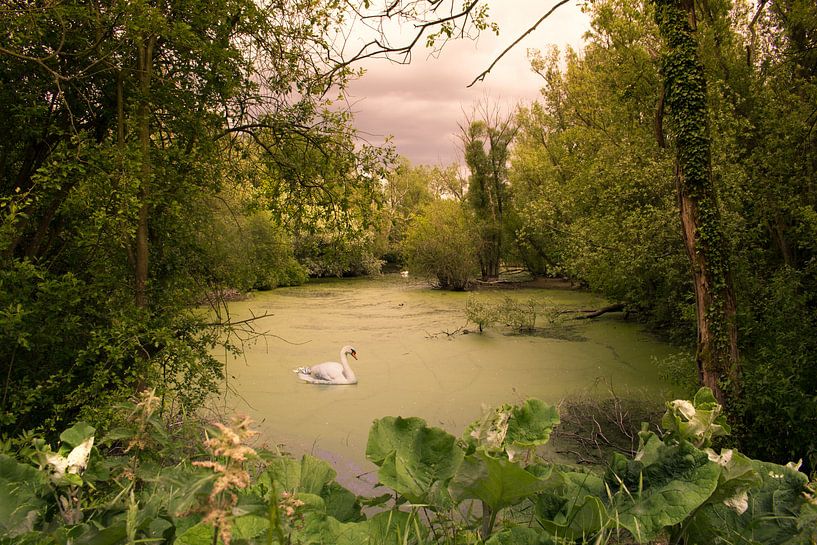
pixel 347 370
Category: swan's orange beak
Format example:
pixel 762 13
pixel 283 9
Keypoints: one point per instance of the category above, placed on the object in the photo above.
pixel 353 354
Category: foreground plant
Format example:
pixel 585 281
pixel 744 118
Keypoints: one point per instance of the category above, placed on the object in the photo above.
pixel 488 486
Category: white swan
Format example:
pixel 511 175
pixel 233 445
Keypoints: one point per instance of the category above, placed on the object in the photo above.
pixel 330 372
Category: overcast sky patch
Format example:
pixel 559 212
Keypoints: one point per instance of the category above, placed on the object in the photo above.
pixel 421 104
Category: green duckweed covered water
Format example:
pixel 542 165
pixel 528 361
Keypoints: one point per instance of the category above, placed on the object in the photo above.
pixel 409 366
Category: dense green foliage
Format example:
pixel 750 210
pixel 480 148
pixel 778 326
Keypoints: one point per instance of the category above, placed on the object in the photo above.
pixel 595 194
pixel 156 155
pixel 486 143
pixel 138 483
pixel 442 245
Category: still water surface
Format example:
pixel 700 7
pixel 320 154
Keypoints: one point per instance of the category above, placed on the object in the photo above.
pixel 408 366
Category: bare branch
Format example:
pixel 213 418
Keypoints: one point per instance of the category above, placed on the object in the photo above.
pixel 379 47
pixel 482 76
pixel 230 323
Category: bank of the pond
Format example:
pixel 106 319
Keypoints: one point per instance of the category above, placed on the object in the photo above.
pixel 410 366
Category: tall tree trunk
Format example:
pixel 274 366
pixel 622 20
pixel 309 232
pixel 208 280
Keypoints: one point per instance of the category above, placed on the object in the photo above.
pixel 143 120
pixel 685 95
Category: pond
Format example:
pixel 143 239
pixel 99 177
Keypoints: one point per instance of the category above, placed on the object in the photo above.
pixel 412 363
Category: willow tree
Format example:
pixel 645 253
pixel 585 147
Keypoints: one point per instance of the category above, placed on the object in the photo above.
pixel 685 98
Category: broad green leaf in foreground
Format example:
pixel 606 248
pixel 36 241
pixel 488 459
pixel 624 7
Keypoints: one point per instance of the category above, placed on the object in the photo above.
pixel 520 535
pixel 387 528
pixel 77 434
pixel 512 429
pixel 20 489
pixel 697 421
pixel 661 487
pixel 496 481
pixel 774 511
pixel 570 508
pixel 415 461
pixel 531 424
pixel 738 476
pixel 311 475
pixel 582 518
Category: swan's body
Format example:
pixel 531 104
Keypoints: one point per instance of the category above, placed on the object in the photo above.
pixel 330 372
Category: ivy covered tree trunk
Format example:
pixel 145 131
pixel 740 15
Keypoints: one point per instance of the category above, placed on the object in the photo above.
pixel 685 96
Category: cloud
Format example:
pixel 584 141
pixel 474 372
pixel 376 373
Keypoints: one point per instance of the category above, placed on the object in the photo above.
pixel 421 104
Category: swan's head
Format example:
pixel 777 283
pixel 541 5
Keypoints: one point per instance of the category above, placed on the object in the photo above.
pixel 350 350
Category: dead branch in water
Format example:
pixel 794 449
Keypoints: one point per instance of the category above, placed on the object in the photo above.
pixel 449 334
pixel 595 313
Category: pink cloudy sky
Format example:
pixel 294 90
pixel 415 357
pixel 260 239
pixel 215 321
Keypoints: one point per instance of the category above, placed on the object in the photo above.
pixel 420 104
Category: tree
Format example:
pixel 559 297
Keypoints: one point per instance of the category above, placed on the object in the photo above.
pixel 406 189
pixel 124 120
pixel 593 197
pixel 686 100
pixel 440 245
pixel 486 145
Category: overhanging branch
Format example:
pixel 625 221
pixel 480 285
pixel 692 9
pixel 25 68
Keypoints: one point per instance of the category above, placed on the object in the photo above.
pixel 481 76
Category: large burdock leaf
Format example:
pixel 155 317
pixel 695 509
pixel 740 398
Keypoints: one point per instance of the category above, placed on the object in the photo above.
pixel 21 488
pixel 697 421
pixel 520 535
pixel 496 481
pixel 386 528
pixel 531 424
pixel 582 518
pixel 416 461
pixel 390 434
pixel 512 429
pixel 738 476
pixel 772 511
pixel 77 434
pixel 309 474
pixel 661 487
pixel 571 507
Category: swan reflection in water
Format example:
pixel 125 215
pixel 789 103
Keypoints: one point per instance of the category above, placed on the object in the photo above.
pixel 330 372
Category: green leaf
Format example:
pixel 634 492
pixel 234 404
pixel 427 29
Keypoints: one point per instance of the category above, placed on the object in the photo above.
pixel 315 474
pixel 20 504
pixel 697 421
pixel 661 487
pixel 772 516
pixel 583 518
pixel 76 434
pixel 531 424
pixel 738 476
pixel 520 535
pixel 249 527
pixel 497 482
pixel 312 476
pixel 200 534
pixel 341 503
pixel 309 474
pixel 571 507
pixel 512 429
pixel 110 535
pixel 387 528
pixel 388 434
pixel 415 461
